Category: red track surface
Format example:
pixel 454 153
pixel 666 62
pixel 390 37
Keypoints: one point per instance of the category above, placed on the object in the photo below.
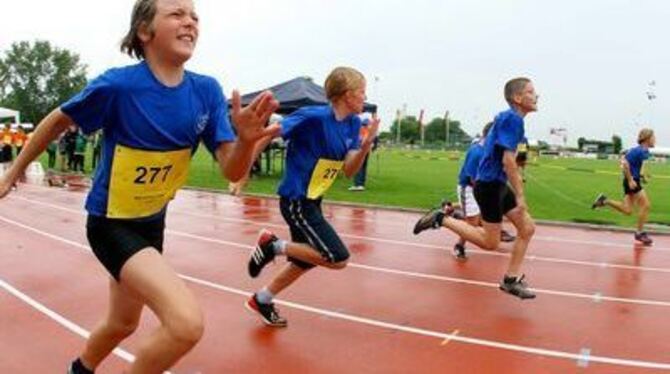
pixel 404 305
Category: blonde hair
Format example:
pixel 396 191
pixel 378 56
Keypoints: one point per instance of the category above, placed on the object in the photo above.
pixel 515 87
pixel 644 135
pixel 341 80
pixel 144 12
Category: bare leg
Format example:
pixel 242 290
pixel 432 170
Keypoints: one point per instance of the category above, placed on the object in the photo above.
pixel 525 230
pixel 122 318
pixel 645 206
pixel 286 277
pixel 625 207
pixel 486 237
pixel 148 275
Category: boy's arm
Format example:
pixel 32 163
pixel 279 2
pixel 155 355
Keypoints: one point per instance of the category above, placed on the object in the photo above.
pixel 514 177
pixel 51 126
pixel 354 159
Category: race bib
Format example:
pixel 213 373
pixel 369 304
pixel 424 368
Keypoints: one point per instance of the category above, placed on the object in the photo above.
pixel 143 182
pixel 323 176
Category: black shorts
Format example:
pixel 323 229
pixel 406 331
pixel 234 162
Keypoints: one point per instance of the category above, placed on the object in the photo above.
pixel 115 241
pixel 307 225
pixel 495 199
pixel 628 191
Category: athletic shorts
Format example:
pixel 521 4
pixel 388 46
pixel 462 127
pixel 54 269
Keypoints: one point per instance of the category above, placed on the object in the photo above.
pixel 307 225
pixel 466 197
pixel 628 191
pixel 115 241
pixel 495 199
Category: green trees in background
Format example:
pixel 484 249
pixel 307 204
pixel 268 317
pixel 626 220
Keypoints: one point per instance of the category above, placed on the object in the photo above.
pixel 36 77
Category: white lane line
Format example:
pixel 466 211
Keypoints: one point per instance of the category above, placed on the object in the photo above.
pixel 550 239
pixel 69 325
pixel 440 335
pixel 389 241
pixel 391 326
pixel 412 274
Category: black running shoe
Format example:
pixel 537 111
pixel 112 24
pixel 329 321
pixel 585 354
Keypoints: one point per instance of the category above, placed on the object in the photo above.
pixel 599 201
pixel 459 251
pixel 268 313
pixel 506 237
pixel 517 287
pixel 643 238
pixel 431 220
pixel 263 254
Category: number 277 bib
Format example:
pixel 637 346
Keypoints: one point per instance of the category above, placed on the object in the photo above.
pixel 323 176
pixel 143 182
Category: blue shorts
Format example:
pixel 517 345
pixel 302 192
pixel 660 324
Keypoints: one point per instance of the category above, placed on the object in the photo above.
pixel 307 225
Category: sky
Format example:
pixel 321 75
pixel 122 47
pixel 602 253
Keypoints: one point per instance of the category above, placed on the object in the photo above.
pixel 592 62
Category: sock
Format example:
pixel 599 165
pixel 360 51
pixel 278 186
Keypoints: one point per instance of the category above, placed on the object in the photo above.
pixel 279 246
pixel 264 296
pixel 79 368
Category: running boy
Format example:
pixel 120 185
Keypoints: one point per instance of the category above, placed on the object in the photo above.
pixel 632 165
pixel 322 140
pixel 494 197
pixel 154 114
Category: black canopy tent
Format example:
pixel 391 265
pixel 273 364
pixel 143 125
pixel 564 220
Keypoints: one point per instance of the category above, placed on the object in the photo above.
pixel 297 93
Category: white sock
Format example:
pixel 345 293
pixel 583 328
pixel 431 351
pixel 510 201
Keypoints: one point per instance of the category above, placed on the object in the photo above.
pixel 264 296
pixel 279 246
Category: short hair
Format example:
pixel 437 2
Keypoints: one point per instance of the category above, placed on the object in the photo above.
pixel 515 87
pixel 144 12
pixel 341 80
pixel 644 135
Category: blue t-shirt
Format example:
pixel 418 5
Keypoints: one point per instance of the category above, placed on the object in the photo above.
pixel 313 133
pixel 468 173
pixel 505 134
pixel 137 111
pixel 635 157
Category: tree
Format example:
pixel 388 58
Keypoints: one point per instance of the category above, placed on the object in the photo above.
pixel 580 143
pixel 434 131
pixel 616 143
pixel 37 77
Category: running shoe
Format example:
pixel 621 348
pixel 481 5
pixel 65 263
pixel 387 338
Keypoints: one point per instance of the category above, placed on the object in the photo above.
pixel 643 238
pixel 599 201
pixel 517 287
pixel 506 237
pixel 263 254
pixel 267 312
pixel 459 251
pixel 431 220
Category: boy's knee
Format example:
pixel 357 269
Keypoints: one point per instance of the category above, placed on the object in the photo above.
pixel 187 328
pixel 528 230
pixel 122 329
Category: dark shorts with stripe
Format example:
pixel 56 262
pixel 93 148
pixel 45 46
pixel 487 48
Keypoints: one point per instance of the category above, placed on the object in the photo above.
pixel 495 199
pixel 628 191
pixel 115 241
pixel 307 225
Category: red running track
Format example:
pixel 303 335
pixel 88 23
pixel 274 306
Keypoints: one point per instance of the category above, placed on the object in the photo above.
pixel 404 305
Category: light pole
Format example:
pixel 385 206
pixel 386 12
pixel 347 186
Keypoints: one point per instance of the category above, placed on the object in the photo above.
pixel 446 124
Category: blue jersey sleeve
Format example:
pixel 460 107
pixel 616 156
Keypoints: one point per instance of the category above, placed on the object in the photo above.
pixel 634 156
pixel 292 124
pixel 510 132
pixel 218 129
pixel 90 108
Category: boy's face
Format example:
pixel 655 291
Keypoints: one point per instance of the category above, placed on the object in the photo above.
pixel 527 99
pixel 355 99
pixel 652 141
pixel 173 33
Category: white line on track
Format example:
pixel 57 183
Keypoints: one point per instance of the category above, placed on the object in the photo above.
pixel 389 241
pixel 648 302
pixel 392 326
pixel 69 325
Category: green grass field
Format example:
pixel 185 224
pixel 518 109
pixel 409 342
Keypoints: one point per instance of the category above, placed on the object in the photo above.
pixel 556 189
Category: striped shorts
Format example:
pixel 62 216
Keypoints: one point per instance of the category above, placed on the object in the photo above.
pixel 307 225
